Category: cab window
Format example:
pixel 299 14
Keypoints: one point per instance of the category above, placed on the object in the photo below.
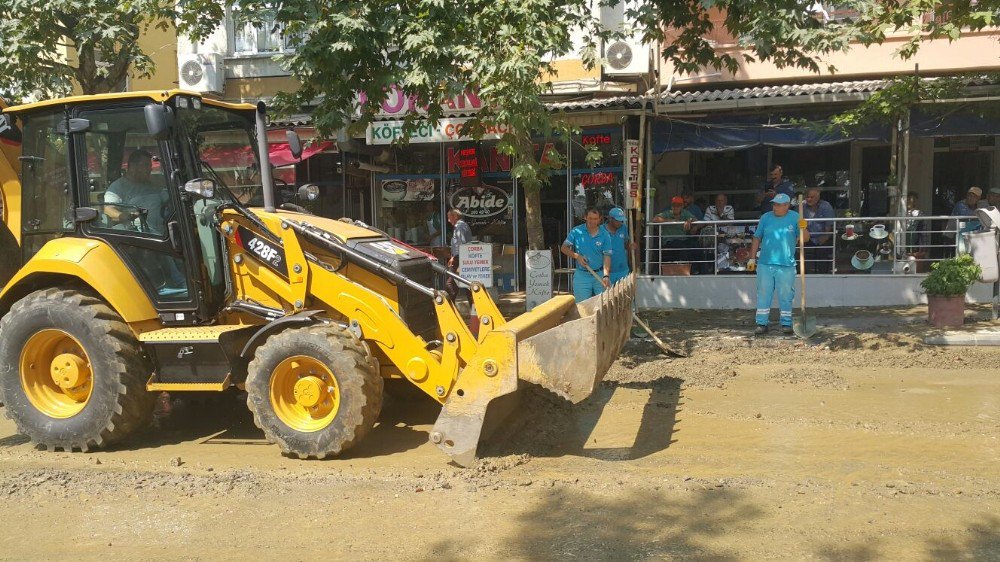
pixel 123 174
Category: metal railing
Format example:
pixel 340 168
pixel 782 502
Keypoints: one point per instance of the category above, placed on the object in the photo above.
pixel 846 245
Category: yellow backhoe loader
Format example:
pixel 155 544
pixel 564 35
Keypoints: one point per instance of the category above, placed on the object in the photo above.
pixel 145 253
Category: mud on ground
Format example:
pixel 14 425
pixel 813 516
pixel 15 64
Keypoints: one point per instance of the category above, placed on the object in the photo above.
pixel 862 443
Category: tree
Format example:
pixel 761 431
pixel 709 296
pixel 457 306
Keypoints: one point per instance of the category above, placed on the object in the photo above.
pixel 436 49
pixel 48 45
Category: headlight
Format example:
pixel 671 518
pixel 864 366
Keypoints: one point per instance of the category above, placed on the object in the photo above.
pixel 309 192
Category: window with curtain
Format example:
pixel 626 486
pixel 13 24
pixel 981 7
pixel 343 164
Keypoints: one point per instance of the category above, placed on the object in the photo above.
pixel 259 34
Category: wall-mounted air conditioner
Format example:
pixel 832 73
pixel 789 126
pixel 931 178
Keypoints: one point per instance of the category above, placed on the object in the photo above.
pixel 202 72
pixel 625 58
pixel 622 57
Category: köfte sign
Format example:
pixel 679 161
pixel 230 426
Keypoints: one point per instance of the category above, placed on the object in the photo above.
pixel 480 202
pixel 447 130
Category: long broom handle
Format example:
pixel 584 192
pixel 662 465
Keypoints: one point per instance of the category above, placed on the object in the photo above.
pixel 802 256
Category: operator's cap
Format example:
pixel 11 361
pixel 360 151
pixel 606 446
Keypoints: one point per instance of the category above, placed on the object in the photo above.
pixel 976 190
pixel 677 201
pixel 617 213
pixel 781 198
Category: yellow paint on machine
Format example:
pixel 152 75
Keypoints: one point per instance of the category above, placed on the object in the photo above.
pixel 97 265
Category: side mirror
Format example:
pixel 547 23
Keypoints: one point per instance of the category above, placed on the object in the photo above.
pixel 294 143
pixel 200 187
pixel 72 126
pixel 309 192
pixel 159 120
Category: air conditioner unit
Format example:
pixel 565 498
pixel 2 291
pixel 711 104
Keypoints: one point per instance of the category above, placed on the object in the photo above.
pixel 627 57
pixel 202 72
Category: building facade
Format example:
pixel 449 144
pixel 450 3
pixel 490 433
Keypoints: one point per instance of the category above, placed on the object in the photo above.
pixel 708 132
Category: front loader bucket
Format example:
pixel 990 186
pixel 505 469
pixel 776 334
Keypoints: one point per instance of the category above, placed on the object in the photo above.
pixel 563 346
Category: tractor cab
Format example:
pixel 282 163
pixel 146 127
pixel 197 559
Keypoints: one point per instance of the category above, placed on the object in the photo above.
pixel 146 176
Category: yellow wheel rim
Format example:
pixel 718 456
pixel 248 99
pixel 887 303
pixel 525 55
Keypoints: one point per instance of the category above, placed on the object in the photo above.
pixel 304 393
pixel 56 374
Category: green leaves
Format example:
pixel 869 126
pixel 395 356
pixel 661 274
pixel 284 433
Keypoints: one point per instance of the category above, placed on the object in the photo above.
pixel 951 277
pixel 46 45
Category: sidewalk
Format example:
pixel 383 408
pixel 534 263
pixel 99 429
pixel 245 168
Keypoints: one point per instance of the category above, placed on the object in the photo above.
pixel 908 322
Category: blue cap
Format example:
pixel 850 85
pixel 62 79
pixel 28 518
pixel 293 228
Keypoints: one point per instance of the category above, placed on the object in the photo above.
pixel 781 198
pixel 617 213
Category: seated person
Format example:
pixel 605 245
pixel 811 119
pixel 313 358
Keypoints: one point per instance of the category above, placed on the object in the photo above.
pixel 818 252
pixel 134 189
pixel 676 236
pixel 722 211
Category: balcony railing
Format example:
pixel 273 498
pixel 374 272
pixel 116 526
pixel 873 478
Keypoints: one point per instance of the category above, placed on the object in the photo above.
pixel 849 245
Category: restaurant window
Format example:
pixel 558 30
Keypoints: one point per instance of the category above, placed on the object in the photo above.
pixel 410 203
pixel 826 168
pixel 597 183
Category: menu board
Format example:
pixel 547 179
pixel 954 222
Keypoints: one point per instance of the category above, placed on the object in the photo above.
pixel 475 263
pixel 538 288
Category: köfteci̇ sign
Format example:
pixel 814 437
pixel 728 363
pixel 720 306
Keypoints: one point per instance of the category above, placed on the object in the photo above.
pixel 475 263
pixel 631 173
pixel 447 130
pixel 538 277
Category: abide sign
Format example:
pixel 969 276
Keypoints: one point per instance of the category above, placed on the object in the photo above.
pixel 480 201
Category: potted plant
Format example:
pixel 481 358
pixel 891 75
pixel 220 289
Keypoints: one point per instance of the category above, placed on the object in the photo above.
pixel 946 286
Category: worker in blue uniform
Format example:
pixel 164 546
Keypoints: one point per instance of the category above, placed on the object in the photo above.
pixel 590 245
pixel 621 244
pixel 776 237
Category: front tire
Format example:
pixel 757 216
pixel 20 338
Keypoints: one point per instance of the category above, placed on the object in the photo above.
pixel 72 375
pixel 315 392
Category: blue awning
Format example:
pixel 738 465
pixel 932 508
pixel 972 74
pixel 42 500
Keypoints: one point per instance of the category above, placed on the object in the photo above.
pixel 975 119
pixel 723 133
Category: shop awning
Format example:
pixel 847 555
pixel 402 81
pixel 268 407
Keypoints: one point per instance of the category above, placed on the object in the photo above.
pixel 281 155
pixel 973 120
pixel 723 133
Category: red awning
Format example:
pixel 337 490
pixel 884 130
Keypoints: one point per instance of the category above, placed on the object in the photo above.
pixel 281 156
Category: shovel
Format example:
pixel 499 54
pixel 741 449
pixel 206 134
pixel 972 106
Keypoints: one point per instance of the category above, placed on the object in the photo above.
pixel 804 325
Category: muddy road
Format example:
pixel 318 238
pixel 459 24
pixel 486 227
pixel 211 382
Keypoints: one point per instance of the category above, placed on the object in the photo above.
pixel 861 444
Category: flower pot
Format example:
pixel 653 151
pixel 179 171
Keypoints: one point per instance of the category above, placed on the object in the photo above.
pixel 946 312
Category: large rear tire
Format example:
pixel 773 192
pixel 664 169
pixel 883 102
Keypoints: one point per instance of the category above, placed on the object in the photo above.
pixel 315 392
pixel 72 375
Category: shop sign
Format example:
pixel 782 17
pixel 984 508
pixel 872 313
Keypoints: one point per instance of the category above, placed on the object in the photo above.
pixel 447 130
pixel 480 202
pixel 415 189
pixel 597 178
pixel 468 166
pixel 538 276
pixel 631 173
pixel 397 103
pixel 475 263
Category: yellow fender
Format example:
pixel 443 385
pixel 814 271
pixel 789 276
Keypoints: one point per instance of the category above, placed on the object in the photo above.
pixel 92 262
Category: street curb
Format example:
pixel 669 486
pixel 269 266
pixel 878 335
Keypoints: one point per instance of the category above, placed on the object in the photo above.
pixel 965 338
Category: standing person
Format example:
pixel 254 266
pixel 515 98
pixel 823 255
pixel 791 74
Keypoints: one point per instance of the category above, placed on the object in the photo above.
pixel 589 244
pixel 460 234
pixel 820 232
pixel 776 183
pixel 776 238
pixel 621 244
